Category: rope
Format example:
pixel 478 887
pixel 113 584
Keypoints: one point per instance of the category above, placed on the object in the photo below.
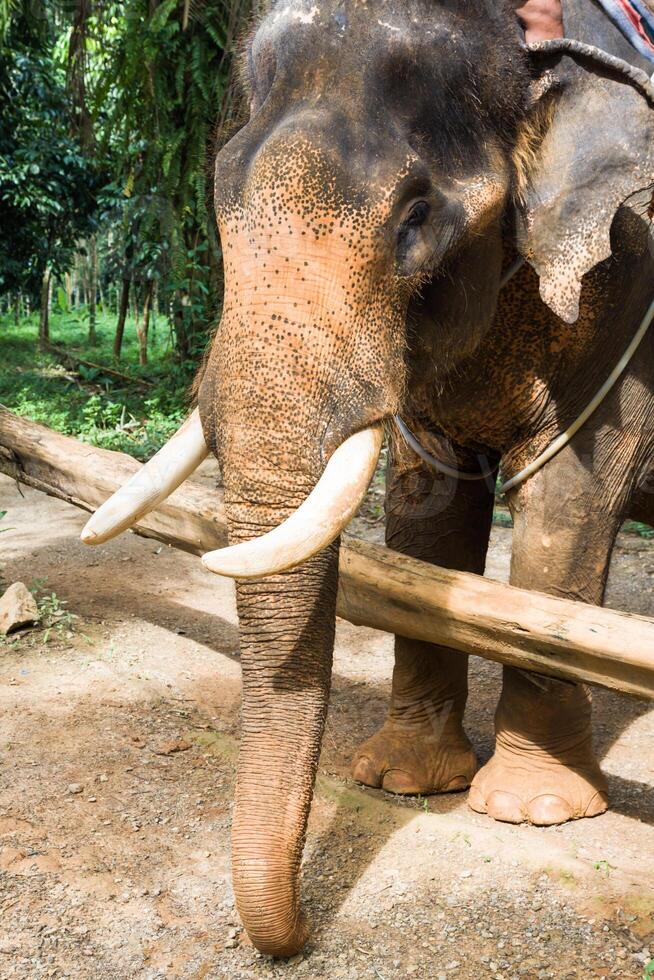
pixel 560 441
pixel 578 49
pixel 595 402
pixel 424 454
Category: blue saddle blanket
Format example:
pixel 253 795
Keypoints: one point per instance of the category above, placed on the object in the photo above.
pixel 636 21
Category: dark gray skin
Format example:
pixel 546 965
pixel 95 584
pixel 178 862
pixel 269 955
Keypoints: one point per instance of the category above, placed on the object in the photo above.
pixel 396 158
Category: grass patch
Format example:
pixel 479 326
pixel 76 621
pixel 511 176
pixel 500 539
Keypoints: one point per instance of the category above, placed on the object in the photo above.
pixel 636 527
pixel 502 518
pixel 95 408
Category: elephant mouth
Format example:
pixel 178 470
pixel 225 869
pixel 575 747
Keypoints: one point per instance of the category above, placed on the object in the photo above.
pixel 308 530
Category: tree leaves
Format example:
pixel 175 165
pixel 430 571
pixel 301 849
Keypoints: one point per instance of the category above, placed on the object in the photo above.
pixel 47 184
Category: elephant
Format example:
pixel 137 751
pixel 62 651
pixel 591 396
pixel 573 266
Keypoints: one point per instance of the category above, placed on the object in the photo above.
pixel 399 160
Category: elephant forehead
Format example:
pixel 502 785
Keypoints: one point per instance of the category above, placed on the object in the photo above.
pixel 297 170
pixel 381 18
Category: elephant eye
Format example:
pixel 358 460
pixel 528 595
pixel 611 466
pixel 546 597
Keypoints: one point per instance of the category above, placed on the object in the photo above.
pixel 409 231
pixel 416 216
pixel 426 234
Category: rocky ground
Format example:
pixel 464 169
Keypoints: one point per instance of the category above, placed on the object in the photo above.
pixel 118 736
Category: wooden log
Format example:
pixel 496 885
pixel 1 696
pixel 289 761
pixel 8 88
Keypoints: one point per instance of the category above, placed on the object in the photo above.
pixel 378 587
pixel 192 518
pixel 72 360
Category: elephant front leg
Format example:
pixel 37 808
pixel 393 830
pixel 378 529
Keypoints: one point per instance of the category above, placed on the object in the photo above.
pixel 544 770
pixel 422 747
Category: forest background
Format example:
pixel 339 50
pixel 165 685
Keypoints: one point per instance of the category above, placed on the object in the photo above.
pixel 110 264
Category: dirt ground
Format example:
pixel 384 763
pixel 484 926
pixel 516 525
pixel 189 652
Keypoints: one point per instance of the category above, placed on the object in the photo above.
pixel 118 738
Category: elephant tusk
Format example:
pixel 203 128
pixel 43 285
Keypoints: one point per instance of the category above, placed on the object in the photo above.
pixel 329 507
pixel 155 481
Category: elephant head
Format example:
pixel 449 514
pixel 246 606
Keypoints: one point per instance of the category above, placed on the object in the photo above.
pixel 375 172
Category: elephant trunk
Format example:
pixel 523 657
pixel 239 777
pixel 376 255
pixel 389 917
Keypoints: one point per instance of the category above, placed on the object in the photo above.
pixel 287 631
pixel 301 375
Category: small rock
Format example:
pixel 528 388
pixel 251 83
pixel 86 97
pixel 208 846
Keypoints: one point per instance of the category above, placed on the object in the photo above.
pixel 17 609
pixel 177 745
pixel 231 944
pixel 75 788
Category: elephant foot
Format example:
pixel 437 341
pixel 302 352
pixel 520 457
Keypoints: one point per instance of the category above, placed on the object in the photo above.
pixel 543 771
pixel 406 759
pixel 518 788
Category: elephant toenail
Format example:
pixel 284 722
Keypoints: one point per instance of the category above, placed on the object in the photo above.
pixel 399 781
pixel 476 800
pixel 598 804
pixel 546 810
pixel 364 771
pixel 456 784
pixel 505 807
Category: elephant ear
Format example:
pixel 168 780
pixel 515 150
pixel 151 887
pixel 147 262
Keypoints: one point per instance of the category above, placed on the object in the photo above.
pixel 596 155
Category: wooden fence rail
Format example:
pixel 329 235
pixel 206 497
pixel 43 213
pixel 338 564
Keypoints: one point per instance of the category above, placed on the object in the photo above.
pixel 378 587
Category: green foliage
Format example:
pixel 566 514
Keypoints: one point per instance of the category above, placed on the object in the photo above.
pixel 168 80
pixel 5 18
pixel 107 122
pixel 93 407
pixel 636 527
pixel 47 184
pixel 107 119
pixel 53 615
pixel 502 518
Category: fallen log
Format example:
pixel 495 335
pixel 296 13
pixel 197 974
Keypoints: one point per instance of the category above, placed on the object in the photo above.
pixel 378 587
pixel 191 518
pixel 73 361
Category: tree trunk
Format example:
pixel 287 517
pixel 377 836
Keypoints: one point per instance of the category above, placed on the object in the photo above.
pixel 44 318
pixel 93 289
pixel 68 286
pixel 143 327
pixel 180 301
pixel 122 316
